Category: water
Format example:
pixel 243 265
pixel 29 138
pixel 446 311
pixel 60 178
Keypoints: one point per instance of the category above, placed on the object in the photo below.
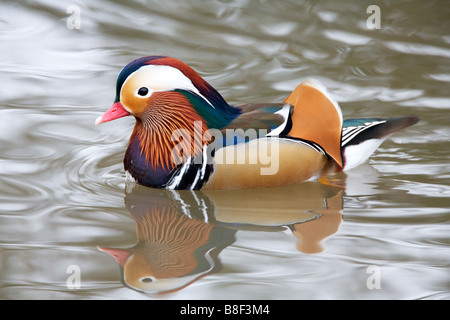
pixel 379 231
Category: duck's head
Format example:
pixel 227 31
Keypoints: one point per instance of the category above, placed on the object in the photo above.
pixel 151 87
pixel 165 96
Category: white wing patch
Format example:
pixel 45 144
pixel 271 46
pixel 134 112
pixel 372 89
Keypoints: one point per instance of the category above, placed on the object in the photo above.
pixel 284 112
pixel 348 133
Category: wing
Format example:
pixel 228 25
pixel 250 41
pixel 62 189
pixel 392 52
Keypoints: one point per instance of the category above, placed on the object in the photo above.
pixel 256 121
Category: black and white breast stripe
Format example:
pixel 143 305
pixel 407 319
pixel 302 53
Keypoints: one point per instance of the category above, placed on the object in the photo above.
pixel 204 209
pixel 193 173
pixel 311 144
pixel 348 133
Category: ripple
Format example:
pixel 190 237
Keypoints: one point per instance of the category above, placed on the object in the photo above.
pixel 352 39
pixel 22 196
pixel 429 189
pixel 279 29
pixel 418 49
pixel 93 170
pixel 444 77
pixel 428 102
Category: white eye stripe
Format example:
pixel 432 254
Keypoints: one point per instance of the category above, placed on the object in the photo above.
pixel 162 78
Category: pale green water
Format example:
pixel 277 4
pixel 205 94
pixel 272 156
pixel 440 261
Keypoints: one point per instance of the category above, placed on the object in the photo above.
pixel 62 186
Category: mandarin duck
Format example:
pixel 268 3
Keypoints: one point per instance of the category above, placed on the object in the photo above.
pixel 186 135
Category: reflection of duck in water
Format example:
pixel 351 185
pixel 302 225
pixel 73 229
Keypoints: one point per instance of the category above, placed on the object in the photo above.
pixel 173 248
pixel 181 233
pixel 311 210
pixel 310 235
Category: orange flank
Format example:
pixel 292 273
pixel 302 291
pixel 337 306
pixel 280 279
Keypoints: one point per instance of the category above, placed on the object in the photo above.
pixel 316 118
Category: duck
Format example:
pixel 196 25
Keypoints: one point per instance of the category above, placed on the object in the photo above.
pixel 188 137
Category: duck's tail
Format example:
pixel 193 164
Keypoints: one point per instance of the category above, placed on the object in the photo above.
pixel 361 137
pixel 317 117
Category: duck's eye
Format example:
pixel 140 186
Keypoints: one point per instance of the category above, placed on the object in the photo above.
pixel 143 91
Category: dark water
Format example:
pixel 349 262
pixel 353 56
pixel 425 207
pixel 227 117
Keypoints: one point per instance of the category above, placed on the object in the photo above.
pixel 379 231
